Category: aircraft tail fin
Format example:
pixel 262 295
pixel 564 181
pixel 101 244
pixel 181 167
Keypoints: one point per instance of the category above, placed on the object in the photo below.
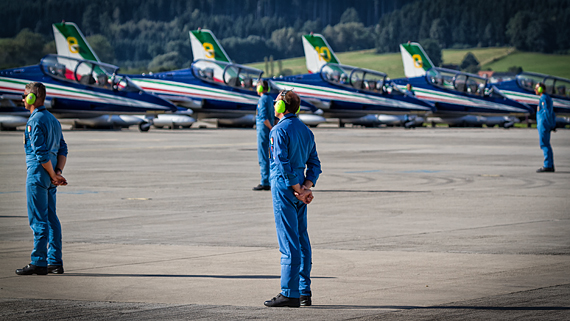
pixel 416 61
pixel 317 52
pixel 70 42
pixel 206 46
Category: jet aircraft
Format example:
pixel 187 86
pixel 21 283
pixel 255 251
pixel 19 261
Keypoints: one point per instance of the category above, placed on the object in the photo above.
pixel 74 92
pixel 319 53
pixel 347 92
pixel 209 55
pixel 460 98
pixel 71 42
pixel 521 89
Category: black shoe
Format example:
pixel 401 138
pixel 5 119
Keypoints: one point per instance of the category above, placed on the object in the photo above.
pixel 32 269
pixel 55 269
pixel 306 300
pixel 545 169
pixel 282 301
pixel 262 188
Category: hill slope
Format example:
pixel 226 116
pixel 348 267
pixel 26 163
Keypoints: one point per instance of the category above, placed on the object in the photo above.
pixel 498 59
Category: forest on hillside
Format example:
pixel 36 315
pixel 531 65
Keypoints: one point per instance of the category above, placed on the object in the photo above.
pixel 153 34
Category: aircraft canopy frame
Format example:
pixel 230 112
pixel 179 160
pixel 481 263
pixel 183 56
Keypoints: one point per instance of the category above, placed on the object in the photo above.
pixel 233 75
pixel 357 78
pixel 458 81
pixel 555 86
pixel 87 72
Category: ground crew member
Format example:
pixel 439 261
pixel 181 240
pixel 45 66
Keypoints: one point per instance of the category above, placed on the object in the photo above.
pixel 545 123
pixel 293 149
pixel 46 154
pixel 264 121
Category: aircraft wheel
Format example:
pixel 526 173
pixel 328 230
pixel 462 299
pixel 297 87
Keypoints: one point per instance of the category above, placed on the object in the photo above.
pixel 144 127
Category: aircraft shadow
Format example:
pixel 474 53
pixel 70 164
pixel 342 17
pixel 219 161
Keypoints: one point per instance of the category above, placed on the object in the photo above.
pixel 131 275
pixel 365 191
pixel 451 307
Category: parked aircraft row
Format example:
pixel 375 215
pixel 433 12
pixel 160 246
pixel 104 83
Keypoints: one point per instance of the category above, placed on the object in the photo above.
pixel 84 91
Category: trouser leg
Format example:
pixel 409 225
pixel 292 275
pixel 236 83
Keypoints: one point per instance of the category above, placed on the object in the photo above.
pixel 263 156
pixel 286 223
pixel 544 136
pixel 37 201
pixel 54 255
pixel 306 253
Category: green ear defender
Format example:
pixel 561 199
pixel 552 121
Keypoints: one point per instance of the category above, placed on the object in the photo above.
pixel 260 88
pixel 540 90
pixel 31 99
pixel 280 106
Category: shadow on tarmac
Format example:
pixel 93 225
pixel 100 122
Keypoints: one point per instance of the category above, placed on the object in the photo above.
pixel 451 307
pixel 365 191
pixel 186 276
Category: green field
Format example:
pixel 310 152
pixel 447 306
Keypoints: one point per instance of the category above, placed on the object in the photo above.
pixel 498 59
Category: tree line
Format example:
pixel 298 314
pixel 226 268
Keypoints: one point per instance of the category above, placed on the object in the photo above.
pixel 153 34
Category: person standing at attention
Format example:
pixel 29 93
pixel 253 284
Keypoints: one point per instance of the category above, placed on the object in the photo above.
pixel 292 150
pixel 545 123
pixel 46 155
pixel 264 121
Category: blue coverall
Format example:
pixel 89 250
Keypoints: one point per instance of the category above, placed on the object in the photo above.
pixel 545 122
pixel 43 142
pixel 292 148
pixel 264 112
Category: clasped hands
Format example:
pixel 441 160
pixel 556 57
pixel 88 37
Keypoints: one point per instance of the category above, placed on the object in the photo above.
pixel 58 180
pixel 305 194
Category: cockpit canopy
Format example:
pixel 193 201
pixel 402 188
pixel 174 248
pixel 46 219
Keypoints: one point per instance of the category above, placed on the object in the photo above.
pixel 90 73
pixel 233 75
pixel 557 87
pixel 456 80
pixel 357 78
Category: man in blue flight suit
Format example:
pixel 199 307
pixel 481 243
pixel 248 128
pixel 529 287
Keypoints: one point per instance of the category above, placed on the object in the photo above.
pixel 46 155
pixel 293 148
pixel 407 122
pixel 264 121
pixel 545 123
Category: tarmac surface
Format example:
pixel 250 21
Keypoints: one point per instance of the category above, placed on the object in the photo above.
pixel 424 224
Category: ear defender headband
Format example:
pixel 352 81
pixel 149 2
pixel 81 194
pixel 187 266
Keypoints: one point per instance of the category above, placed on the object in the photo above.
pixel 280 105
pixel 31 98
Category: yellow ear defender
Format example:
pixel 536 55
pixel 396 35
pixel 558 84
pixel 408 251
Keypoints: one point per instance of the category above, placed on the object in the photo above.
pixel 31 98
pixel 540 90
